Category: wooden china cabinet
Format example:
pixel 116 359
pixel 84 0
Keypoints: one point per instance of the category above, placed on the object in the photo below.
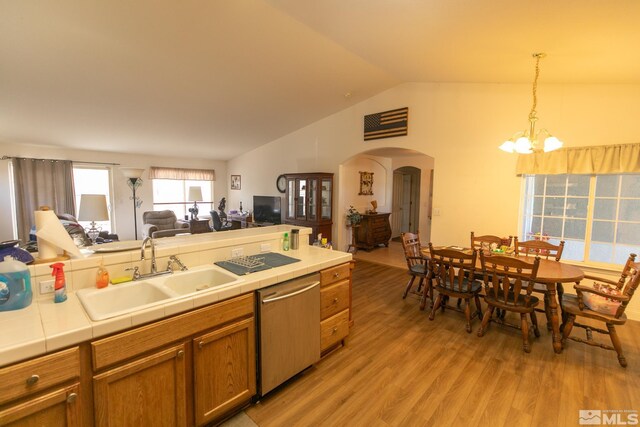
pixel 309 200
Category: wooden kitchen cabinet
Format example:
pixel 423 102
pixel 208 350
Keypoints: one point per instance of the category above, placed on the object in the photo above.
pixel 224 370
pixel 44 391
pixel 309 202
pixel 374 230
pixel 150 391
pixel 188 369
pixel 335 306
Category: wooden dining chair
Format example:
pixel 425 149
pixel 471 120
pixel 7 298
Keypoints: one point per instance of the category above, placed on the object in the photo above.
pixel 484 242
pixel 544 250
pixel 417 265
pixel 508 284
pixel 455 276
pixel 574 306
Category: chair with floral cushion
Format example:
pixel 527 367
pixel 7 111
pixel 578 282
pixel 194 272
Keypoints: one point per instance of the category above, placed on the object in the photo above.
pixel 605 302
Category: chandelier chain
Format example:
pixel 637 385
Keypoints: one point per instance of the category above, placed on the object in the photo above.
pixel 532 114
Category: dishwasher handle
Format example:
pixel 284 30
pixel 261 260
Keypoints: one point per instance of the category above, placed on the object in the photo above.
pixel 289 295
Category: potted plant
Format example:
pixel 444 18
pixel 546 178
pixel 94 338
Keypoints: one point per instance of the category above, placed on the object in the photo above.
pixel 353 216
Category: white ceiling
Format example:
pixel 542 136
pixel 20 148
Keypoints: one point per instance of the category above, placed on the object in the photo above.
pixel 216 78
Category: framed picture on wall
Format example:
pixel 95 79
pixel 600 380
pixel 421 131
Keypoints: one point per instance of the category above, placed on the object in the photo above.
pixel 235 182
pixel 366 184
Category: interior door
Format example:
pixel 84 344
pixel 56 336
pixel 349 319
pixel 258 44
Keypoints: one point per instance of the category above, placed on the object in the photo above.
pixel 406 203
pixel 396 205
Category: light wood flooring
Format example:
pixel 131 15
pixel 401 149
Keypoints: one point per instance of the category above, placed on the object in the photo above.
pixel 400 369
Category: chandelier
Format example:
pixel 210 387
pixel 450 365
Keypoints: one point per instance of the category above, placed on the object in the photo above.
pixel 527 142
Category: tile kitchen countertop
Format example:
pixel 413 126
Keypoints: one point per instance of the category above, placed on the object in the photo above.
pixel 44 326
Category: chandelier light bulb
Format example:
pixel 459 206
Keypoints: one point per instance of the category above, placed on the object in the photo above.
pixel 523 145
pixel 507 146
pixel 552 143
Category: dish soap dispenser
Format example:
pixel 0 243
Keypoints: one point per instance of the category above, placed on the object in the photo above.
pixel 285 242
pixel 15 285
pixel 60 286
pixel 102 277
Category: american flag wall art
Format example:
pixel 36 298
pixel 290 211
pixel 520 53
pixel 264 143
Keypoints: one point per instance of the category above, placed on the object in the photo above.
pixel 386 124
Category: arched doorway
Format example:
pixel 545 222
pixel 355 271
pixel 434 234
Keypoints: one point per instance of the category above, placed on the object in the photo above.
pixel 405 207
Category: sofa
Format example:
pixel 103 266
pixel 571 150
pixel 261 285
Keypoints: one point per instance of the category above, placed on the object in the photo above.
pixel 162 224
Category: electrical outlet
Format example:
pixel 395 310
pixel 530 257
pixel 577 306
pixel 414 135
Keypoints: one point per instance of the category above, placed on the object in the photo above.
pixel 47 286
pixel 265 247
pixel 237 252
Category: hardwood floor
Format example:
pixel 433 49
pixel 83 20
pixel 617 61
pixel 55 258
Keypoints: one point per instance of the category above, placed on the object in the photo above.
pixel 400 369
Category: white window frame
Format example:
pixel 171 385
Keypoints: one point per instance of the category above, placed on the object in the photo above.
pixel 110 199
pixel 203 211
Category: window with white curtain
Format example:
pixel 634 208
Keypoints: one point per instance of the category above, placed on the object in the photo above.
pixel 173 194
pixel 598 216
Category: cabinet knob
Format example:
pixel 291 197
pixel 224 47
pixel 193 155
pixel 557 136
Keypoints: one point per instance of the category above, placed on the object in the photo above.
pixel 336 275
pixel 33 379
pixel 334 331
pixel 335 300
pixel 180 353
pixel 71 398
pixel 201 344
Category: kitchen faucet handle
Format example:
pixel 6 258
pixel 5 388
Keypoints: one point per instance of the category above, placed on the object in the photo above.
pixel 173 259
pixel 136 272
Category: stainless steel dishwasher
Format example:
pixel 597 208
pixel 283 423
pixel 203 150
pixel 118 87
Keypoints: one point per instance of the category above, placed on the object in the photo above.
pixel 289 333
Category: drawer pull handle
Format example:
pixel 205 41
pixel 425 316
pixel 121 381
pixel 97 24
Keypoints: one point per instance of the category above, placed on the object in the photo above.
pixel 71 398
pixel 334 331
pixel 335 300
pixel 336 275
pixel 201 344
pixel 33 379
pixel 180 353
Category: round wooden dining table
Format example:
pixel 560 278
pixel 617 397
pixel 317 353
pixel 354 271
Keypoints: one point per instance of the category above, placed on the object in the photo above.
pixel 550 273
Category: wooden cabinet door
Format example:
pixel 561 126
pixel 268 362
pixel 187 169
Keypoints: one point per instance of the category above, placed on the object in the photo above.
pixel 224 370
pixel 60 407
pixel 150 391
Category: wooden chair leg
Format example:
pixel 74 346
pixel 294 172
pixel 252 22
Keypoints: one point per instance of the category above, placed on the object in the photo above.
pixel 467 313
pixel 617 345
pixel 408 287
pixel 567 326
pixel 534 322
pixel 525 333
pixel 478 306
pixel 436 304
pixel 485 320
pixel 420 283
pixel 427 292
pixel 547 311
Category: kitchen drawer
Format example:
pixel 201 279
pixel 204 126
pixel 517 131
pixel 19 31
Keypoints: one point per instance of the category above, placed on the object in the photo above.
pixel 38 374
pixel 334 299
pixel 334 274
pixel 334 329
pixel 128 344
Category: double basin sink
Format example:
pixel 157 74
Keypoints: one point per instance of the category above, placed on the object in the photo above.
pixel 116 300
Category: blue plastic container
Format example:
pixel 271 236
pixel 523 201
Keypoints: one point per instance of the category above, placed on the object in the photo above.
pixel 15 285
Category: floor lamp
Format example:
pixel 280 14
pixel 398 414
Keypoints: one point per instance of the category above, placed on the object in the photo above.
pixel 133 181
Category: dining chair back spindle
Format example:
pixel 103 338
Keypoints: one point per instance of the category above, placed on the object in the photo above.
pixel 508 285
pixel 455 276
pixel 574 306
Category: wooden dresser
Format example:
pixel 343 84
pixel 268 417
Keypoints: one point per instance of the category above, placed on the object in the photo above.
pixel 374 230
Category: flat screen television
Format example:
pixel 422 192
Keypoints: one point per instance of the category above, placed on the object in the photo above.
pixel 267 209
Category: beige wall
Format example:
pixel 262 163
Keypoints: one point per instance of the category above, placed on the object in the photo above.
pixel 123 209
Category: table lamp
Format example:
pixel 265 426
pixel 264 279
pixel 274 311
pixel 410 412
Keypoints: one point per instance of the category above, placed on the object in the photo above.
pixel 93 207
pixel 195 196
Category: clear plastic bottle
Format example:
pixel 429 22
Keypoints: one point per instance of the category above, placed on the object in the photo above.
pixel 15 285
pixel 285 242
pixel 102 277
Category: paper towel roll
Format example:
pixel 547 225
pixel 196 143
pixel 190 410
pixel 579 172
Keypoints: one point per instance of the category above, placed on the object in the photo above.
pixel 52 237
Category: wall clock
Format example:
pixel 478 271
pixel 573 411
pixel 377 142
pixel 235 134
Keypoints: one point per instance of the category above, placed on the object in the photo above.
pixel 281 183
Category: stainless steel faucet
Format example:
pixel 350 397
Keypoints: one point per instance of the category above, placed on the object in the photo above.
pixel 154 267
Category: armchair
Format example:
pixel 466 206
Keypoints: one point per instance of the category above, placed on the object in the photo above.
pixel 162 224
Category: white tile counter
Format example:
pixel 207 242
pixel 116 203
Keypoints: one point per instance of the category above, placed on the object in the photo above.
pixel 45 326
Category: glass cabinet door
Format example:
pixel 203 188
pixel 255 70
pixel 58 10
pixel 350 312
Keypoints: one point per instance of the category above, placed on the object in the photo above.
pixel 291 198
pixel 325 207
pixel 301 198
pixel 312 213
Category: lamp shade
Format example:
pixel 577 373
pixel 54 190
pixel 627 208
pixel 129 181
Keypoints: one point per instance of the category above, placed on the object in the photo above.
pixel 93 207
pixel 195 194
pixel 132 172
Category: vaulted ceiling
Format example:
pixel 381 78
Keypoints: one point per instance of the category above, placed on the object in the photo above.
pixel 216 78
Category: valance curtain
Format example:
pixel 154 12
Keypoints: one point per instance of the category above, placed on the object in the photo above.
pixel 177 173
pixel 605 159
pixel 41 183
